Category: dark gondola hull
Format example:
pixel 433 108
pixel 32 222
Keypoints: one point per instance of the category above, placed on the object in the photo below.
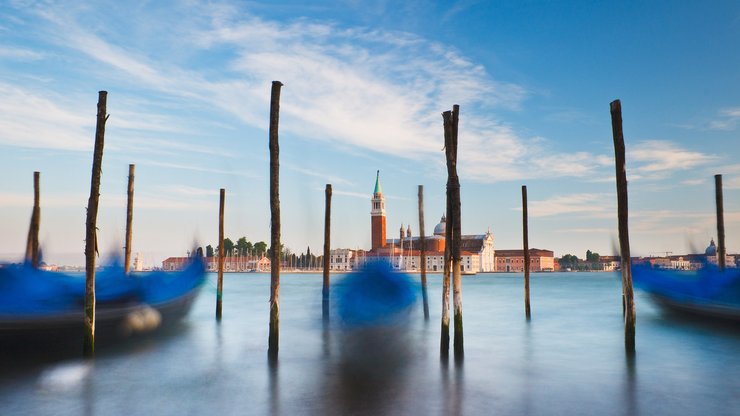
pixel 706 293
pixel 49 306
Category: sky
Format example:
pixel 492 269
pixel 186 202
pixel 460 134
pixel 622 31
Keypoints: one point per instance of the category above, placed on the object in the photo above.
pixel 365 83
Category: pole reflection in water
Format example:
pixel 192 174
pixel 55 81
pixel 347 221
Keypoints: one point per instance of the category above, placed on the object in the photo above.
pixel 631 407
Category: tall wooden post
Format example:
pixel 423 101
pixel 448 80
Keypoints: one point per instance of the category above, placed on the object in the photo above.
pixel 32 243
pixel 220 283
pixel 525 237
pixel 274 336
pixel 91 240
pixel 624 240
pixel 423 253
pixel 453 185
pixel 720 222
pixel 327 254
pixel 445 336
pixel 129 218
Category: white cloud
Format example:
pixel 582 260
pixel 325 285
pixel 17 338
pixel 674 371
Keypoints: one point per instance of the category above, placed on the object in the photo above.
pixel 196 168
pixel 588 204
pixel 332 179
pixel 28 119
pixel 728 119
pixel 19 54
pixel 657 158
pixel 354 87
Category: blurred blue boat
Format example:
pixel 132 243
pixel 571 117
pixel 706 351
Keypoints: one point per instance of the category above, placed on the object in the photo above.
pixel 707 292
pixel 35 303
pixel 375 296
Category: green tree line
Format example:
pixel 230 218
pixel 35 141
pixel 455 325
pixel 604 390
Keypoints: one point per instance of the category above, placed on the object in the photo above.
pixel 570 261
pixel 244 247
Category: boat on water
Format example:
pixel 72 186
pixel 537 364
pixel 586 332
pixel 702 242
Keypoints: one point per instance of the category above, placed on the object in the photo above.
pixel 707 292
pixel 38 305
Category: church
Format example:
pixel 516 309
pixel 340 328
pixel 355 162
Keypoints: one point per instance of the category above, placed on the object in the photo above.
pixel 404 252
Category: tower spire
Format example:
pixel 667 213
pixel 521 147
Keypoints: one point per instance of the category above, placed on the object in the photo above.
pixel 377 215
pixel 378 189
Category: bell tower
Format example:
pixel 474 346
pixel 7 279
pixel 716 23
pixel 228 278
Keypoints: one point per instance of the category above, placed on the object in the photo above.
pixel 377 216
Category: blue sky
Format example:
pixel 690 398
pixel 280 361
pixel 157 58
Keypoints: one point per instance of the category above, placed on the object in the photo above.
pixel 365 83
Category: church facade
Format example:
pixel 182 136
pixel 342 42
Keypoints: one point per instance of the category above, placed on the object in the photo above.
pixel 404 252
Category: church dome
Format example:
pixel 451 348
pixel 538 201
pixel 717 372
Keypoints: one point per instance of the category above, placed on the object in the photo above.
pixel 440 228
pixel 711 250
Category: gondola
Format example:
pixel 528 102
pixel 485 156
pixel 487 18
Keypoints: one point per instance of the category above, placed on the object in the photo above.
pixel 44 306
pixel 707 292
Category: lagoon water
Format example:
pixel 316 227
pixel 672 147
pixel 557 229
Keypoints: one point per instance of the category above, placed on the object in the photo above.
pixel 569 360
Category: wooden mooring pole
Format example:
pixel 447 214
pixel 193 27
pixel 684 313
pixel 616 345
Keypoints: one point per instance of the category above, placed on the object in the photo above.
pixel 274 335
pixel 327 254
pixel 453 185
pixel 624 241
pixel 445 335
pixel 220 283
pixel 91 239
pixel 32 243
pixel 721 250
pixel 129 219
pixel 525 238
pixel 423 253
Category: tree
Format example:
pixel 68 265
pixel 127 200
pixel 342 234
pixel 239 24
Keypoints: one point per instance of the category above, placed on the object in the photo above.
pixel 569 261
pixel 592 257
pixel 260 248
pixel 228 246
pixel 243 245
pixel 209 251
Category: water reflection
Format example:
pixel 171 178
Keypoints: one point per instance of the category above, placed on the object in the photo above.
pixel 453 391
pixel 368 373
pixel 274 384
pixel 630 386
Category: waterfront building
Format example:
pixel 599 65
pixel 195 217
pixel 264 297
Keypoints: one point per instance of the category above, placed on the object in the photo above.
pixel 231 264
pixel 609 263
pixel 513 260
pixel 712 258
pixel 342 259
pixel 404 253
pixel 138 263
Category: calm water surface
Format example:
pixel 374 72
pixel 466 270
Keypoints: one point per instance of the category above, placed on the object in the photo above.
pixel 568 360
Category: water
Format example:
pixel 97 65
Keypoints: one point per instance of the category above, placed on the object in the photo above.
pixel 568 360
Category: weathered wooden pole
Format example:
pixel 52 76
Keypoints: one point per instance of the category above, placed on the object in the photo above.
pixel 91 239
pixel 624 240
pixel 32 243
pixel 423 253
pixel 327 254
pixel 220 283
pixel 454 189
pixel 720 222
pixel 445 336
pixel 525 231
pixel 129 218
pixel 274 335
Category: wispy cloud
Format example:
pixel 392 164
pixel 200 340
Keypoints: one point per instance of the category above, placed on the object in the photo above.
pixel 28 119
pixel 693 182
pixel 197 168
pixel 584 204
pixel 368 89
pixel 189 191
pixel 332 179
pixel 727 120
pixel 362 195
pixel 655 159
pixel 19 54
